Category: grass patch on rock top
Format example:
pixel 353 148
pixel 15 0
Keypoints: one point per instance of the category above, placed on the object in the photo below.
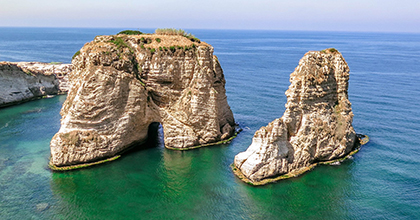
pixel 330 50
pixel 130 32
pixel 179 32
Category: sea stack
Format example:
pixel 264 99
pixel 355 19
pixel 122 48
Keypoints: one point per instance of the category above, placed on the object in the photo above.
pixel 120 84
pixel 316 126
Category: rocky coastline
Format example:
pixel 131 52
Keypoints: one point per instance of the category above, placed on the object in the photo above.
pixel 25 81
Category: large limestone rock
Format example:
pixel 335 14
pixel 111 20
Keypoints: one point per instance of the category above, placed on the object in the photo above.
pixel 121 84
pixel 25 81
pixel 316 126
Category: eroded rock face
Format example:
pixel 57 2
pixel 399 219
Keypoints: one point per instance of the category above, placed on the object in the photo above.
pixel 316 126
pixel 24 81
pixel 121 84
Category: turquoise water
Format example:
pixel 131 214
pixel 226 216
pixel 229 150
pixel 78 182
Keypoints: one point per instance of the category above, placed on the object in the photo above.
pixel 381 181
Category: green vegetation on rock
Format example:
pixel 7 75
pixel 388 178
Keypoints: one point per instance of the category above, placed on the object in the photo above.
pixel 179 32
pixel 121 44
pixel 130 32
pixel 145 40
pixel 170 31
pixel 331 50
pixel 76 54
pixel 172 48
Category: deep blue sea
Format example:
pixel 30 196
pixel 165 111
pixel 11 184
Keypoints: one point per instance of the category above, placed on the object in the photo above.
pixel 382 181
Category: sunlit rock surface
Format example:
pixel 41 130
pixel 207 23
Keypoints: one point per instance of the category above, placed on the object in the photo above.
pixel 316 126
pixel 121 84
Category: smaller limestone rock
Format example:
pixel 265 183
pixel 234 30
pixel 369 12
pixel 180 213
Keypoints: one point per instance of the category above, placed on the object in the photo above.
pixel 316 126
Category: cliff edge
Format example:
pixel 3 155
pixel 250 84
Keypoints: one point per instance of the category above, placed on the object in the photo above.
pixel 121 84
pixel 315 127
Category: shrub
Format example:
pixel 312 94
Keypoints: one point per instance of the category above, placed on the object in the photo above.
pixel 146 40
pixel 333 50
pixel 192 38
pixel 172 48
pixel 130 32
pixel 158 40
pixel 152 50
pixel 120 43
pixel 75 54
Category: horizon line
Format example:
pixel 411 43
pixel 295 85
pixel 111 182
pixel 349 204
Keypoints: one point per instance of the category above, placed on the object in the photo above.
pixel 223 29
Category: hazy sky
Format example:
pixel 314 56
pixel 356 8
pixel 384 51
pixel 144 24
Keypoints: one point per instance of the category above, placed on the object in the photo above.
pixel 331 15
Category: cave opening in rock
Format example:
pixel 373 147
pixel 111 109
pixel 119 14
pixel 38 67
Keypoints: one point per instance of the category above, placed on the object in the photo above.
pixel 154 139
pixel 155 135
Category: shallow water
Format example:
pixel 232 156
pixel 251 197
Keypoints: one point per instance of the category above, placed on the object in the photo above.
pixel 381 181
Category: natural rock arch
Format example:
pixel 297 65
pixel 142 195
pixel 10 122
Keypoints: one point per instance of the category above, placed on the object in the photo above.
pixel 121 84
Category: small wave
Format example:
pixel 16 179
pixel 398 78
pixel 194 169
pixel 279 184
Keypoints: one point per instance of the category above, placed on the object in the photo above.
pixel 5 126
pixel 36 110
